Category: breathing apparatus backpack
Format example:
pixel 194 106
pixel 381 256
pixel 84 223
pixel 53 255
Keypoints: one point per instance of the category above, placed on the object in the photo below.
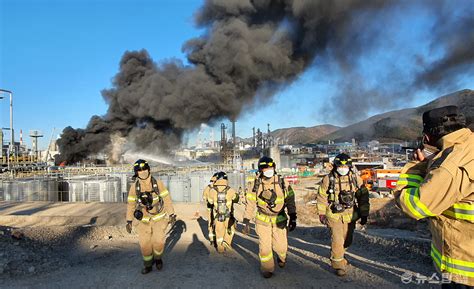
pixel 145 200
pixel 346 199
pixel 222 211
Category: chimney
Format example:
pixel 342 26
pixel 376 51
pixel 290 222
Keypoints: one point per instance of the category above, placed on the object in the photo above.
pixel 234 142
pixel 253 143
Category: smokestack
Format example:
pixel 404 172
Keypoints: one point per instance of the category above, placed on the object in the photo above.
pixel 234 142
pixel 223 137
pixel 21 137
pixel 253 139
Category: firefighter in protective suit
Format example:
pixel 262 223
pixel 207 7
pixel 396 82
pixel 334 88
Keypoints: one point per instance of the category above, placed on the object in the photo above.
pixel 439 185
pixel 149 202
pixel 210 216
pixel 222 198
pixel 342 200
pixel 269 197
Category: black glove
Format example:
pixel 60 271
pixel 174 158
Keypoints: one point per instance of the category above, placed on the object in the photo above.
pixel 172 219
pixel 292 223
pixel 129 227
pixel 323 219
pixel 246 228
pixel 363 220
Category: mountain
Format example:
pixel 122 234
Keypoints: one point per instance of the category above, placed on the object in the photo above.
pixel 404 124
pixel 297 135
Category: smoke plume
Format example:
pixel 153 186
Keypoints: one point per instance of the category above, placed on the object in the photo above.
pixel 252 48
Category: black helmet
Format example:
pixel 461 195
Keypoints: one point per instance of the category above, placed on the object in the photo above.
pixel 221 176
pixel 213 178
pixel 443 120
pixel 265 162
pixel 140 165
pixel 342 160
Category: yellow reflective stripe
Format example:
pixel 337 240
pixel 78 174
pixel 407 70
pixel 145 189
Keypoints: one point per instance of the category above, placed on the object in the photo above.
pixel 266 258
pixel 448 264
pixel 251 196
pixel 411 199
pixel 461 211
pixel 321 207
pixel 146 219
pixel 164 193
pixel 280 200
pixel 220 240
pixel 415 178
pixel 158 253
pixel 337 259
pixel 265 218
pixel 148 258
pixel 410 180
pixel 404 182
pixel 158 217
pixel 156 198
pixel 458 216
pixel 261 202
pixel 282 255
pixel 132 199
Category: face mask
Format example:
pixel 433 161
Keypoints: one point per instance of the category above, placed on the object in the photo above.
pixel 269 173
pixel 343 171
pixel 142 175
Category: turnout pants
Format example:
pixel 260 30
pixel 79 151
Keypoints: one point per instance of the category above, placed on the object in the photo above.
pixel 224 234
pixel 151 237
pixel 210 226
pixel 341 239
pixel 271 238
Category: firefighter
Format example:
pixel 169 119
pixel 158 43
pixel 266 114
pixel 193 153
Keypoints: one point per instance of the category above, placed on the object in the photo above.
pixel 210 217
pixel 439 185
pixel 269 196
pixel 342 200
pixel 150 203
pixel 222 198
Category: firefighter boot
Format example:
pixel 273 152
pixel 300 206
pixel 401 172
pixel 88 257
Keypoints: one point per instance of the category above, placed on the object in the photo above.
pixel 266 274
pixel 340 272
pixel 159 264
pixel 281 263
pixel 146 270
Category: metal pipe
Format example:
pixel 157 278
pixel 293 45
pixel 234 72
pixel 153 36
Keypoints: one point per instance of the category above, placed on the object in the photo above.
pixel 12 140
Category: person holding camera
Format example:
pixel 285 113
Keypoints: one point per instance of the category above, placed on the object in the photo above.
pixel 149 202
pixel 342 200
pixel 438 185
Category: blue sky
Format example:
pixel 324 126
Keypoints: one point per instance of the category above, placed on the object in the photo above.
pixel 56 56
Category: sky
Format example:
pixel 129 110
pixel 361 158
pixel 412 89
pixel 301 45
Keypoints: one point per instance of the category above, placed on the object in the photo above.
pixel 56 56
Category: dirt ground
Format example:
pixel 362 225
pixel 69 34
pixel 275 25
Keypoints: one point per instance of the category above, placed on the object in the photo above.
pixel 79 245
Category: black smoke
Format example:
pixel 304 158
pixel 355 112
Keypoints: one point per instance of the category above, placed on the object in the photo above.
pixel 250 50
